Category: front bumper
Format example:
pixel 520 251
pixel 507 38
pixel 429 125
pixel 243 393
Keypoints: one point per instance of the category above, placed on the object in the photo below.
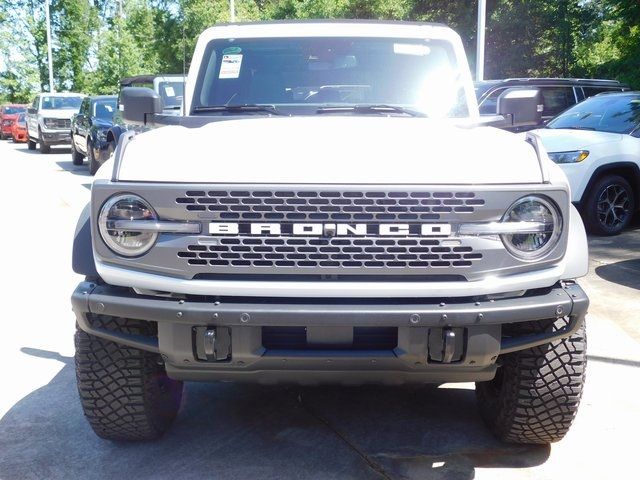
pixel 56 137
pixel 478 326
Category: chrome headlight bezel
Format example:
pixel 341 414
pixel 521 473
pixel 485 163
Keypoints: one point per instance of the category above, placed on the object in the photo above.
pixel 111 240
pixel 555 235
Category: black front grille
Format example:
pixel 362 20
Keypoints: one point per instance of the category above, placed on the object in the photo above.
pixel 361 206
pixel 295 338
pixel 62 123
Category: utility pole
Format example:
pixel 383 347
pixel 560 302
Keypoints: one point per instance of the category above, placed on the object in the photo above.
pixel 482 18
pixel 49 55
pixel 232 10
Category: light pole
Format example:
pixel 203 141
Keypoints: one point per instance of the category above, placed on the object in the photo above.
pixel 49 55
pixel 482 15
pixel 232 10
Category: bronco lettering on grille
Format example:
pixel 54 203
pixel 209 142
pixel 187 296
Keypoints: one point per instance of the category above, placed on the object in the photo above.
pixel 331 229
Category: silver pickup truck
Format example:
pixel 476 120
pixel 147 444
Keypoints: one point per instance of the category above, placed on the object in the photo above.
pixel 330 209
pixel 49 119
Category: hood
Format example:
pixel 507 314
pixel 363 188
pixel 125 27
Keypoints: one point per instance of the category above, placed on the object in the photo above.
pixel 566 140
pixel 46 113
pixel 331 150
pixel 102 124
pixel 13 117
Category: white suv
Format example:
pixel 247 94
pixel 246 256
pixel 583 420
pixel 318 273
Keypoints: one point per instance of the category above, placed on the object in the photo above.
pixel 597 144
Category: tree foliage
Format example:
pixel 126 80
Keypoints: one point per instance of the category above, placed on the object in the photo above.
pixel 95 44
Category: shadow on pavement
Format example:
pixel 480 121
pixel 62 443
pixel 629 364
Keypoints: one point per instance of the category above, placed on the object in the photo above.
pixel 82 170
pixel 234 431
pixel 626 273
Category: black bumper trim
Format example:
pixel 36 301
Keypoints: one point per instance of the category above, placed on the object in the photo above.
pixel 566 300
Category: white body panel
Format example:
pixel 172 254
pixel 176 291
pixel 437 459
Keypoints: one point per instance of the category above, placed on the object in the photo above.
pixel 330 149
pixel 603 147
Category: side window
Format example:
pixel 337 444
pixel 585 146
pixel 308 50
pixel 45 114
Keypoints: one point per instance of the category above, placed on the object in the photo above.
pixel 84 108
pixel 34 104
pixel 489 105
pixel 557 99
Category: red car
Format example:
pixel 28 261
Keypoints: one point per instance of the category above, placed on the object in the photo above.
pixel 8 115
pixel 19 129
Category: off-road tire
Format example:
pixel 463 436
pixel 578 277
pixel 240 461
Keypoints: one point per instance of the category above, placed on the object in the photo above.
pixel 91 157
pixel 535 395
pixel 44 148
pixel 590 210
pixel 76 156
pixel 125 392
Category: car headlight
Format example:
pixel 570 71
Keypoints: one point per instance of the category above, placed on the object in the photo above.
pixel 545 232
pixel 123 242
pixel 50 122
pixel 575 156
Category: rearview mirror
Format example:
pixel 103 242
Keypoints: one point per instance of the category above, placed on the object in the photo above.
pixel 139 104
pixel 521 107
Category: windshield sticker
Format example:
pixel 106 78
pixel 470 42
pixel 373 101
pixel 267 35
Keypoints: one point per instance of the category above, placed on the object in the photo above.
pixel 169 91
pixel 231 50
pixel 230 67
pixel 411 49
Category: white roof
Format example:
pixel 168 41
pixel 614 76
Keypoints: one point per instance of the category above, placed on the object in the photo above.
pixel 329 28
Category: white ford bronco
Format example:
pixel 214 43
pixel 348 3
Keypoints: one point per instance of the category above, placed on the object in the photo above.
pixel 330 209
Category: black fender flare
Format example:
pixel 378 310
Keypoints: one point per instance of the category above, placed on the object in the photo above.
pixel 114 133
pixel 82 260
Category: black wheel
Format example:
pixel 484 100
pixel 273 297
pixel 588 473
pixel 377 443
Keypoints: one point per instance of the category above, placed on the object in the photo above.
pixel 2 137
pixel 535 394
pixel 111 148
pixel 91 157
pixel 609 206
pixel 31 145
pixel 76 156
pixel 44 148
pixel 125 392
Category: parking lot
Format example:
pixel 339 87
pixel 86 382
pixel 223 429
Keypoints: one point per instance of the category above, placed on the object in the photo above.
pixel 228 431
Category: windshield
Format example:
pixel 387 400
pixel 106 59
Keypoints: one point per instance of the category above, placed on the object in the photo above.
pixel 608 113
pixel 104 109
pixel 172 93
pixel 61 103
pixel 13 110
pixel 300 75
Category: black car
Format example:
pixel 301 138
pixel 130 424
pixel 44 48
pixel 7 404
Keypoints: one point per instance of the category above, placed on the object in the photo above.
pixel 558 94
pixel 89 129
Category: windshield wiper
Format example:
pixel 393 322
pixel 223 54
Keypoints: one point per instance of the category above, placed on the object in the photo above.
pixel 575 127
pixel 369 109
pixel 244 108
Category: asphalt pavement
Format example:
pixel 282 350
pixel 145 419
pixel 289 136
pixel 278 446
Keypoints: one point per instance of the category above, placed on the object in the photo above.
pixel 229 431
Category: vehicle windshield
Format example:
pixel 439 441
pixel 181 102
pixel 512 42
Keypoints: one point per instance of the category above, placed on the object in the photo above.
pixel 104 109
pixel 607 113
pixel 301 75
pixel 13 110
pixel 61 103
pixel 171 93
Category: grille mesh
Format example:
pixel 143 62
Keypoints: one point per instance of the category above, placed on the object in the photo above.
pixel 329 205
pixel 354 253
pixel 58 123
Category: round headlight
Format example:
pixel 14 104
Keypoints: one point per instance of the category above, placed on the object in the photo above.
pixel 124 242
pixel 546 222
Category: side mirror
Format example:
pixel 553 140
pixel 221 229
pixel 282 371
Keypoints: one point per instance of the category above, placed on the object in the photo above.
pixel 521 107
pixel 32 111
pixel 139 103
